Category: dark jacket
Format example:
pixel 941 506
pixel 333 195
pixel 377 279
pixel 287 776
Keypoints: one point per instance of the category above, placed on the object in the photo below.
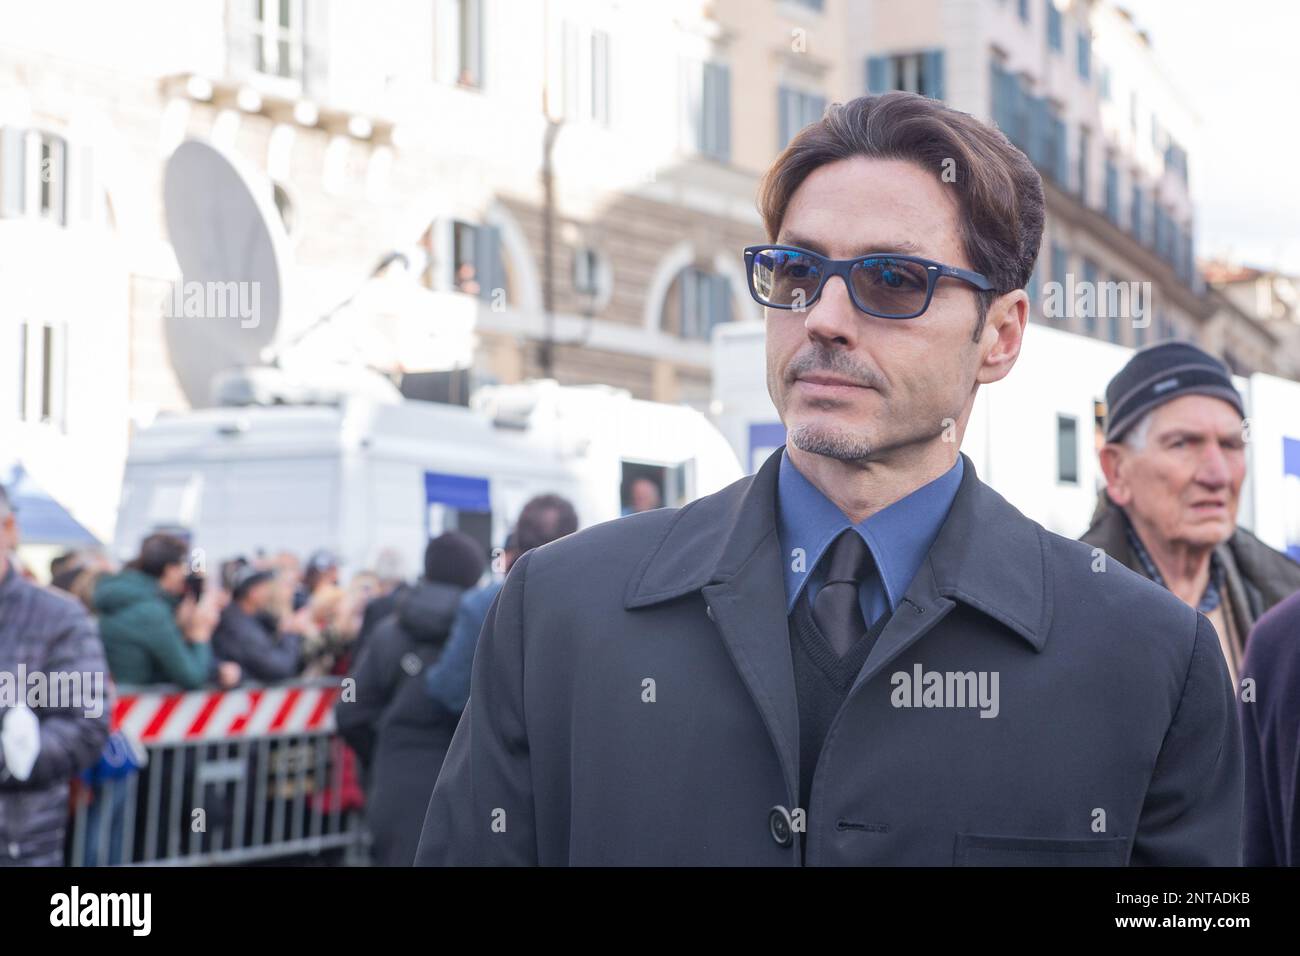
pixel 393 725
pixel 633 702
pixel 261 653
pixel 50 633
pixel 1257 577
pixel 137 622
pixel 1270 728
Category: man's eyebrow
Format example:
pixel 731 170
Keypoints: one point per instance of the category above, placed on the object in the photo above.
pixel 904 246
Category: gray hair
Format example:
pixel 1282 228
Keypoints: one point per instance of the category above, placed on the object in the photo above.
pixel 1136 437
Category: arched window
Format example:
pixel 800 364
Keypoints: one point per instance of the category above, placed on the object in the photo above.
pixel 697 300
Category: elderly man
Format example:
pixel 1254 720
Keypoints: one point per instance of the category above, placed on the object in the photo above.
pixel 1175 460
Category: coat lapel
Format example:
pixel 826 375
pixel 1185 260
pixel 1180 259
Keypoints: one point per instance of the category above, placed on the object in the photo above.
pixel 726 547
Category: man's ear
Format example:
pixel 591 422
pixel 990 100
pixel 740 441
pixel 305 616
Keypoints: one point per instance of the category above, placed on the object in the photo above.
pixel 999 341
pixel 1112 461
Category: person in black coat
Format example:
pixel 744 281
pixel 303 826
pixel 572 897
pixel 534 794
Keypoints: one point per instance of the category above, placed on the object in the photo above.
pixel 389 719
pixel 1270 728
pixel 247 633
pixel 862 654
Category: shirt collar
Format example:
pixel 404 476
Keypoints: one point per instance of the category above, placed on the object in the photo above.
pixel 899 535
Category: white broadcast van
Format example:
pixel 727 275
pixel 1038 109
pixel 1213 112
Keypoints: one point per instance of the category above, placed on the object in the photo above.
pixel 364 475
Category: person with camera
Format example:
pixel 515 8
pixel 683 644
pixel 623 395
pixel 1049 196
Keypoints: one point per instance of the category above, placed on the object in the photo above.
pixel 156 621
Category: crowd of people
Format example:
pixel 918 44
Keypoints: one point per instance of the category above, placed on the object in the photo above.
pixel 402 648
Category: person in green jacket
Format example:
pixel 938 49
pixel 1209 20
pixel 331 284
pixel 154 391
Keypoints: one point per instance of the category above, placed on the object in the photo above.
pixel 153 631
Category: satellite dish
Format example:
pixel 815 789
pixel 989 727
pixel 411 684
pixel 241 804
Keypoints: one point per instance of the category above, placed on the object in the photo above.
pixel 234 255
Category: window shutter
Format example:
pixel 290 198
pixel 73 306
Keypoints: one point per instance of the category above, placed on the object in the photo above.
pixel 241 42
pixel 934 74
pixel 315 51
pixel 13 171
pixel 569 60
pixel 600 73
pixel 446 41
pixel 487 260
pixel 878 78
pixel 722 92
pixel 719 304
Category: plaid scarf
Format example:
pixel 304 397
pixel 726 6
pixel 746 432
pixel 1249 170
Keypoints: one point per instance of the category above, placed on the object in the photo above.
pixel 1210 600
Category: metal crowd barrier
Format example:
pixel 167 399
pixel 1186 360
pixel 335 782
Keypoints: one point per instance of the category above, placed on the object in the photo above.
pixel 240 776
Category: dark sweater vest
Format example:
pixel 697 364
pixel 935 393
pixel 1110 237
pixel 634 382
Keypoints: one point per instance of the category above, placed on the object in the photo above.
pixel 822 681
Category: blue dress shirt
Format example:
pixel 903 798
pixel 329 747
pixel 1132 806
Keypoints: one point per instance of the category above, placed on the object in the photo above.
pixel 899 536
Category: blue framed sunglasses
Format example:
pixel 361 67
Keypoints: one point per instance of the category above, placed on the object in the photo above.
pixel 881 284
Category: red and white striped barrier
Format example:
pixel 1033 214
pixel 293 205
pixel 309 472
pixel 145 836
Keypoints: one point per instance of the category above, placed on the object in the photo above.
pixel 188 716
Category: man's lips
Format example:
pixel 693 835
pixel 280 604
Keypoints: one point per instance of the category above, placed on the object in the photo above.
pixel 828 381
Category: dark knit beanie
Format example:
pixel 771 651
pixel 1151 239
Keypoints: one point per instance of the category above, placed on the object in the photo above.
pixel 454 558
pixel 1159 374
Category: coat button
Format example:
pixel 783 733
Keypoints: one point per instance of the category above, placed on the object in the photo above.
pixel 778 823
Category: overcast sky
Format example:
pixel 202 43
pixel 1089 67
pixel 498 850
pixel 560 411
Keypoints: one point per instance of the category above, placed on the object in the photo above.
pixel 1238 64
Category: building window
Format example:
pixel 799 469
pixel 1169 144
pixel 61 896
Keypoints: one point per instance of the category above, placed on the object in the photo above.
pixel 700 301
pixel 1136 224
pixel 33 175
pixel 1103 83
pixel 1067 449
pixel 1085 145
pixel 706 108
pixel 592 277
pixel 1055 35
pixel 1090 315
pixel 586 74
pixel 278 38
pixel 1024 10
pixel 1060 275
pixel 459 41
pixel 911 72
pixel 1176 160
pixel 42 356
pixel 465 257
pixel 476 261
pixel 817 5
pixel 795 110
pixel 1112 191
pixel 1085 55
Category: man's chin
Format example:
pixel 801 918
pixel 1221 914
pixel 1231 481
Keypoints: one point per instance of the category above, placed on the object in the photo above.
pixel 830 441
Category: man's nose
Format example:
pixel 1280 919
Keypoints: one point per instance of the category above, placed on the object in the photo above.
pixel 1213 470
pixel 833 316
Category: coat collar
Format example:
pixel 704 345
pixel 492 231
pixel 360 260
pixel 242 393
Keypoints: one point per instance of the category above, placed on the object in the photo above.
pixel 987 555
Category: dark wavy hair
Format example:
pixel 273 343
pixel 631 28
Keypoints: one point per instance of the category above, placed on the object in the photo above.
pixel 999 193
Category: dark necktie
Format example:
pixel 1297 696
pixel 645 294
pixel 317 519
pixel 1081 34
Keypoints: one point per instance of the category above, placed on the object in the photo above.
pixel 836 609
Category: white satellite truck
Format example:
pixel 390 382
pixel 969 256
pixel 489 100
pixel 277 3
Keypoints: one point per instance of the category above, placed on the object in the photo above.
pixel 1034 435
pixel 363 475
pixel 295 444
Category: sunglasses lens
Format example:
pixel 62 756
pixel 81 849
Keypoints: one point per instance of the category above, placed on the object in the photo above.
pixel 890 287
pixel 784 278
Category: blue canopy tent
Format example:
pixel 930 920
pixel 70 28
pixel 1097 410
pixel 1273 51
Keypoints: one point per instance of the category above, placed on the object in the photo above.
pixel 41 519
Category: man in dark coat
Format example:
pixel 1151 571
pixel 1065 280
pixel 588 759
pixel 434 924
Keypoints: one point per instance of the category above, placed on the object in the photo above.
pixel 1270 728
pixel 248 636
pixel 1175 462
pixel 862 654
pixel 47 740
pixel 389 720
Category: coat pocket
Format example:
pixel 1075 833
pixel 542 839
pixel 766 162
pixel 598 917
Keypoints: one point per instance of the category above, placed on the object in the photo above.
pixel 973 849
